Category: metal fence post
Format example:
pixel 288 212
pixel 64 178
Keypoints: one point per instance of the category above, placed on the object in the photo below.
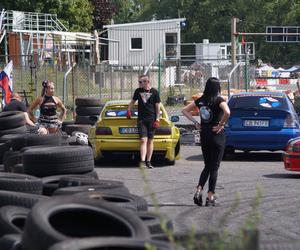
pixel 159 76
pixel 122 84
pixel 111 84
pixel 89 78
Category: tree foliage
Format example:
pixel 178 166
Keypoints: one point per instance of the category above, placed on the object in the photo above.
pixel 211 19
pixel 206 19
pixel 76 15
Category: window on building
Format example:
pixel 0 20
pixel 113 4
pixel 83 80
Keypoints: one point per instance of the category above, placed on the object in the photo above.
pixel 136 43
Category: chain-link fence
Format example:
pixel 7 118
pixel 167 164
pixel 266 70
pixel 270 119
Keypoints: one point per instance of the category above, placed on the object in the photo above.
pixel 176 80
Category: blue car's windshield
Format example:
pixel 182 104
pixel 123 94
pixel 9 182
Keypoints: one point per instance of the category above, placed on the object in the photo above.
pixel 253 102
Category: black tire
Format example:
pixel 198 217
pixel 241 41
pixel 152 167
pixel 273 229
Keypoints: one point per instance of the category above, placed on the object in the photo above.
pixel 36 140
pixel 80 119
pixel 10 198
pixel 65 123
pixel 177 148
pixel 92 174
pixel 19 138
pixel 155 221
pixel 23 149
pixel 171 163
pixel 50 183
pixel 78 181
pixel 18 169
pixel 63 218
pixel 128 201
pixel 20 183
pixel 91 188
pixel 11 119
pixel 3 148
pixel 10 242
pixel 84 128
pixel 10 159
pixel 59 160
pixel 111 243
pixel 18 130
pixel 12 219
pixel 79 101
pixel 84 111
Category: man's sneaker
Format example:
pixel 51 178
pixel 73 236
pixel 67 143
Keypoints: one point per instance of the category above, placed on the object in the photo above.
pixel 198 198
pixel 148 164
pixel 210 203
pixel 142 164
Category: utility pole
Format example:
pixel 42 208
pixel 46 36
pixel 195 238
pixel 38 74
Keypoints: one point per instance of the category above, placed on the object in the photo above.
pixel 233 41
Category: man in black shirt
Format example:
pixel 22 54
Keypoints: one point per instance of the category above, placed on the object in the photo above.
pixel 16 104
pixel 148 117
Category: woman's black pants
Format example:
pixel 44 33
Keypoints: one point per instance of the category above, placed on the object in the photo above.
pixel 213 146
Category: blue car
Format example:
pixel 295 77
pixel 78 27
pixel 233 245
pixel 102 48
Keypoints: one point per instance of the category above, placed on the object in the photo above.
pixel 260 121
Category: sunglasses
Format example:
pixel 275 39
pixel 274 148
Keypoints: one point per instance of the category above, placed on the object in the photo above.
pixel 142 81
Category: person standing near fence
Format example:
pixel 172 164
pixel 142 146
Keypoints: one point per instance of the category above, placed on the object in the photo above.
pixel 48 104
pixel 214 113
pixel 148 117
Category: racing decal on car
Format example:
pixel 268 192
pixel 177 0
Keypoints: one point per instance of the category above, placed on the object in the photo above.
pixel 145 96
pixel 206 114
pixel 269 102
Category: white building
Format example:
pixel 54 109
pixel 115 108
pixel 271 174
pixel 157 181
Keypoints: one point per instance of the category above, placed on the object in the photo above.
pixel 137 44
pixel 213 53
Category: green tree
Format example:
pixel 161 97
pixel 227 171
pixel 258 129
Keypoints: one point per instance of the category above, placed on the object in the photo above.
pixel 75 14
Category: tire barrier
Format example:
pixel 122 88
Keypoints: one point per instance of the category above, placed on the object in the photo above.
pixel 111 243
pixel 11 120
pixel 63 218
pixel 91 188
pixel 58 160
pixel 20 183
pixel 154 221
pixel 128 201
pixel 12 219
pixel 10 242
pixel 71 181
pixel 84 128
pixel 10 198
pixel 51 183
pixel 82 208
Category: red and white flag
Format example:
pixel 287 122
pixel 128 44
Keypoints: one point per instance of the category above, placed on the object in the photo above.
pixel 6 82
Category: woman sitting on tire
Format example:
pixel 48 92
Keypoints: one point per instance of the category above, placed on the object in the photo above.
pixel 48 104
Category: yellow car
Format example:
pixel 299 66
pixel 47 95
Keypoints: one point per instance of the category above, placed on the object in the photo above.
pixel 115 134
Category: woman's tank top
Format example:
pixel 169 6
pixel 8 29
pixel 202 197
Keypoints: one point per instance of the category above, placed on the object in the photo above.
pixel 48 106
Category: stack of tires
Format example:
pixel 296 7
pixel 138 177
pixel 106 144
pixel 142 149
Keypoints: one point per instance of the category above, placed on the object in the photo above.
pixel 12 122
pixel 87 113
pixel 12 147
pixel 60 203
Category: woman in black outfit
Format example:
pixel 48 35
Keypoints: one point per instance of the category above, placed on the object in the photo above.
pixel 214 113
pixel 48 104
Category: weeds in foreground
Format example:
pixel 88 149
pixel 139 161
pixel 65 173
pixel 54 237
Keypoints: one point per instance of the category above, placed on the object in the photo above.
pixel 245 239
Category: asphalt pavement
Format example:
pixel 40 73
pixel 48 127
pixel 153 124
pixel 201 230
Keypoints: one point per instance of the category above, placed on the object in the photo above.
pixel 240 176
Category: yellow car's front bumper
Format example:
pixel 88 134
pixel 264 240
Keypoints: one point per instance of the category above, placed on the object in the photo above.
pixel 100 145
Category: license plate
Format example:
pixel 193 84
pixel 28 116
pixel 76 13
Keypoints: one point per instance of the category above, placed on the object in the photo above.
pixel 133 130
pixel 256 123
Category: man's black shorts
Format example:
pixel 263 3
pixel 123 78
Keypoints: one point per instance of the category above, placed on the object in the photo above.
pixel 146 128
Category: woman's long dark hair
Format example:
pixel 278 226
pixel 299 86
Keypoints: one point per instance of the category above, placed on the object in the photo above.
pixel 212 89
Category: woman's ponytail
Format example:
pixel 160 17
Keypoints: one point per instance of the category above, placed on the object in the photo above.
pixel 44 85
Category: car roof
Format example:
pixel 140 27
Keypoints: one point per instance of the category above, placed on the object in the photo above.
pixel 257 93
